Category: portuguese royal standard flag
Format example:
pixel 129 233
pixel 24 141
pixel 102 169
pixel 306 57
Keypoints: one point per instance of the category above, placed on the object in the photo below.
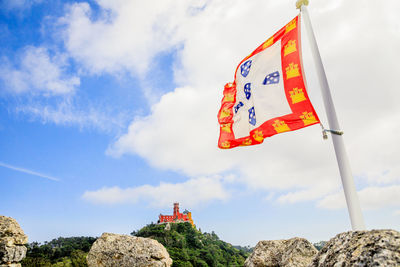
pixel 268 95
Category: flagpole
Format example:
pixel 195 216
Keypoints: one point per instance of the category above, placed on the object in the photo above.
pixel 353 205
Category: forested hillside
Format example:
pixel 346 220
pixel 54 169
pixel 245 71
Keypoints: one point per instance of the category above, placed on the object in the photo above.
pixel 70 251
pixel 188 246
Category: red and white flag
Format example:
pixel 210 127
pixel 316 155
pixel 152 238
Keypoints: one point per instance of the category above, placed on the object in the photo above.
pixel 268 95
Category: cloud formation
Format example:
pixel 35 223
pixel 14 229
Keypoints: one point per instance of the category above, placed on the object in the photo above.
pixel 372 197
pixel 125 35
pixel 190 193
pixel 38 72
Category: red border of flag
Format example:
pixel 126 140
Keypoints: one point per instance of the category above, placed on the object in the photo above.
pixel 303 113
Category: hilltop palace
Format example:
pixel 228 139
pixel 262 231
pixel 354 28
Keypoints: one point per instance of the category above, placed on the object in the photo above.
pixel 177 217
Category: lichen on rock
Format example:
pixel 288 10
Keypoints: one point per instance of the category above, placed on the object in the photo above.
pixel 294 252
pixel 123 250
pixel 361 248
pixel 12 241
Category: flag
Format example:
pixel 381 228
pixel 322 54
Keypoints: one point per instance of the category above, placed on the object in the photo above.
pixel 268 95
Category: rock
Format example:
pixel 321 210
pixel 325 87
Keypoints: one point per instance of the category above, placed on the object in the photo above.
pixel 123 250
pixel 167 227
pixel 294 252
pixel 12 241
pixel 361 248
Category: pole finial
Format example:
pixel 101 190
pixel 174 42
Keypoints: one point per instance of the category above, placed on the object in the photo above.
pixel 299 3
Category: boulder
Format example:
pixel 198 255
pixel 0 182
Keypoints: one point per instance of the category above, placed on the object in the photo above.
pixel 284 253
pixel 12 241
pixel 361 248
pixel 124 250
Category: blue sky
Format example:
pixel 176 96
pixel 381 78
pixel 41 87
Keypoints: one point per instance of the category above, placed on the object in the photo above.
pixel 108 115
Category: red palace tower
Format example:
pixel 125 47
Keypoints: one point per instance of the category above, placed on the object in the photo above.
pixel 186 216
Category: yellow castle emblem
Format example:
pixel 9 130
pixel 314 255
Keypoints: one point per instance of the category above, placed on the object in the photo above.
pixel 226 127
pixel 297 95
pixel 226 112
pixel 280 126
pixel 308 118
pixel 258 136
pixel 292 71
pixel 247 142
pixel 226 144
pixel 290 26
pixel 228 98
pixel 268 43
pixel 290 47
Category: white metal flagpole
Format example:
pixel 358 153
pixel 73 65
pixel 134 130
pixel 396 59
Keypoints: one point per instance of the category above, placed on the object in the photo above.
pixel 353 205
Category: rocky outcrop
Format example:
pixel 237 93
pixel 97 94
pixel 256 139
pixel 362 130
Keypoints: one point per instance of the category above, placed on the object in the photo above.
pixel 361 248
pixel 294 252
pixel 12 240
pixel 123 250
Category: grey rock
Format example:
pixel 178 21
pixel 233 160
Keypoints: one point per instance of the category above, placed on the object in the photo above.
pixel 123 250
pixel 9 254
pixel 11 233
pixel 293 252
pixel 12 240
pixel 361 248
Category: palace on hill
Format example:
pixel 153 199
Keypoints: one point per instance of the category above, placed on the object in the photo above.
pixel 177 217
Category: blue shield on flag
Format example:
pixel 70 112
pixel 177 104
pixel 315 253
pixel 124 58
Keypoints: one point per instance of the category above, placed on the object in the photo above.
pixel 238 106
pixel 245 68
pixel 252 116
pixel 271 78
pixel 247 90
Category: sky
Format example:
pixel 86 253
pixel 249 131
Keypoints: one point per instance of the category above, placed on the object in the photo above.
pixel 108 115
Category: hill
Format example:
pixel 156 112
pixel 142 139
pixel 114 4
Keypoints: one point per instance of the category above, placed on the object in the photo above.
pixel 189 247
pixel 63 251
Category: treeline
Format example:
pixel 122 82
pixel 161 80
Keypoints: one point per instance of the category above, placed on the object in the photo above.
pixel 60 252
pixel 189 247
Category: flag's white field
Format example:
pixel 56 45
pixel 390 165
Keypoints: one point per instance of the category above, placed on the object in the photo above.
pixel 268 101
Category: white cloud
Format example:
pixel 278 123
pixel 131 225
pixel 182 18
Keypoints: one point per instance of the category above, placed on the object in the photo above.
pixel 126 35
pixel 45 89
pixel 311 193
pixel 190 193
pixel 373 197
pixel 39 73
pixel 66 112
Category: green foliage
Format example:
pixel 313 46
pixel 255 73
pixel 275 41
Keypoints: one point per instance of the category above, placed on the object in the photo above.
pixel 189 247
pixel 60 252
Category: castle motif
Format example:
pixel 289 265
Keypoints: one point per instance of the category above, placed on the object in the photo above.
pixel 292 71
pixel 290 26
pixel 297 95
pixel 177 217
pixel 308 118
pixel 290 47
pixel 280 126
